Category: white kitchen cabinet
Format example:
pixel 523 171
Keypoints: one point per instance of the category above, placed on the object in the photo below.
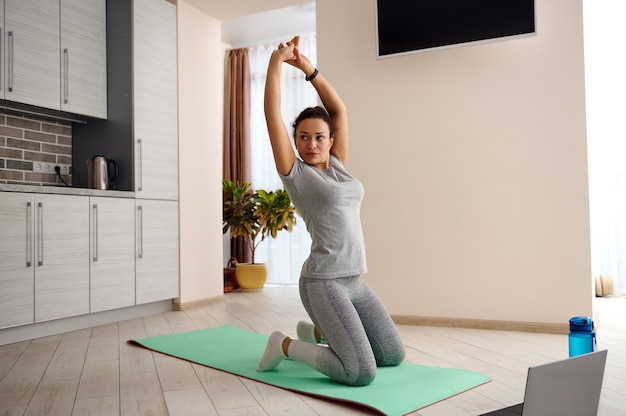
pixel 155 99
pixel 44 256
pixel 55 54
pixel 65 255
pixel 61 256
pixel 155 132
pixel 157 266
pixel 112 253
pixel 83 57
pixel 31 52
pixel 17 259
pixel 2 54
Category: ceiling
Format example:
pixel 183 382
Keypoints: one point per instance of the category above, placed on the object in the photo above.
pixel 228 9
pixel 269 27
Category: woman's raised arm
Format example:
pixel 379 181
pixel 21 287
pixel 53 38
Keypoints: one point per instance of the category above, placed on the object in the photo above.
pixel 284 155
pixel 330 99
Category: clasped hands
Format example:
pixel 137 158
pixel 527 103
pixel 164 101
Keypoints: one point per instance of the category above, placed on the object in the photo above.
pixel 290 53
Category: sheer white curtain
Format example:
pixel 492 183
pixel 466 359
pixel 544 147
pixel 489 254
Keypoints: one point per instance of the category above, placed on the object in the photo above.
pixel 284 256
pixel 605 69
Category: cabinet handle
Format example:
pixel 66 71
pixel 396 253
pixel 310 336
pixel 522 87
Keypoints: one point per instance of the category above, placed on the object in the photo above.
pixel 95 233
pixel 140 232
pixel 140 153
pixel 1 53
pixel 10 66
pixel 40 233
pixel 29 230
pixel 66 77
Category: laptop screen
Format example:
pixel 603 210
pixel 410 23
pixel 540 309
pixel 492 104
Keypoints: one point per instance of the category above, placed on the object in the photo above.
pixel 568 387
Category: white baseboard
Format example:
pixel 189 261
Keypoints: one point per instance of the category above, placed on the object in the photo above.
pixel 198 303
pixel 44 329
pixel 541 327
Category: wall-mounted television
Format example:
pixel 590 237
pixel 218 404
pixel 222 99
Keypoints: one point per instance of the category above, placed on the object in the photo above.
pixel 407 26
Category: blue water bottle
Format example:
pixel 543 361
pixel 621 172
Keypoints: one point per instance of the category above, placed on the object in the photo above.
pixel 582 339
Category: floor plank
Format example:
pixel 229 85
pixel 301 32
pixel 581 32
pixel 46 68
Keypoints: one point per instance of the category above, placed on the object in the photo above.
pixel 109 406
pixel 175 374
pixel 141 394
pixel 53 399
pixel 226 391
pixel 19 385
pixel 100 379
pixel 190 402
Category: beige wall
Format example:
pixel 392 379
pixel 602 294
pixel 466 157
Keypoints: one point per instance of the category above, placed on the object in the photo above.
pixel 473 160
pixel 200 74
pixel 474 165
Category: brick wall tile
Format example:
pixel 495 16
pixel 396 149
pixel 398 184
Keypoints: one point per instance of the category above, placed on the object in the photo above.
pixel 12 153
pixel 19 165
pixel 11 176
pixel 59 150
pixel 64 140
pixel 11 132
pixel 39 136
pixel 23 144
pixel 40 157
pixel 56 129
pixel 23 123
pixel 49 178
pixel 66 160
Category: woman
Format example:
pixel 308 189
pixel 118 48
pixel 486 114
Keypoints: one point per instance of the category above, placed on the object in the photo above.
pixel 357 329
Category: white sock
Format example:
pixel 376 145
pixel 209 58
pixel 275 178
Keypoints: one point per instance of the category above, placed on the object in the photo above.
pixel 306 332
pixel 273 354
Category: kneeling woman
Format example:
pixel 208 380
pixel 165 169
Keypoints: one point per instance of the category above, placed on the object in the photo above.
pixel 346 314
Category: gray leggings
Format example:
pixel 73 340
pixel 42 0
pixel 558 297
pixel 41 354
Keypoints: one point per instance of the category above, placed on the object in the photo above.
pixel 353 321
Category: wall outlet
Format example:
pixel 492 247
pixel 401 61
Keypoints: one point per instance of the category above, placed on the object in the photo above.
pixel 65 169
pixel 47 167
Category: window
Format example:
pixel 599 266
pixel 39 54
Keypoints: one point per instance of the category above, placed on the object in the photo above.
pixel 284 256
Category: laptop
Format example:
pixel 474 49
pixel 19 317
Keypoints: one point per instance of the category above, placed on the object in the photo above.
pixel 569 387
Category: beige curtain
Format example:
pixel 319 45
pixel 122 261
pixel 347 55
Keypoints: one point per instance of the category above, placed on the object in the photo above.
pixel 237 131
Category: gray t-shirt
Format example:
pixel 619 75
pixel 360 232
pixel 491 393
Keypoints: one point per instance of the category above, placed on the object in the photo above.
pixel 329 201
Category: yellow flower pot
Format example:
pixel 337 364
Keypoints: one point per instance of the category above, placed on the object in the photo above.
pixel 251 277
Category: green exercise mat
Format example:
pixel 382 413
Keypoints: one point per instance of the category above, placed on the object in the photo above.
pixel 395 391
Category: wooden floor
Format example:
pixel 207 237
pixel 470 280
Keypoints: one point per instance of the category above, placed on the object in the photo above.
pixel 95 372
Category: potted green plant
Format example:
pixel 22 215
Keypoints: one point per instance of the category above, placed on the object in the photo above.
pixel 255 215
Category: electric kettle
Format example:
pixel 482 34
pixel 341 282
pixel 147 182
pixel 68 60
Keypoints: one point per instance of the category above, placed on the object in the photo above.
pixel 101 172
